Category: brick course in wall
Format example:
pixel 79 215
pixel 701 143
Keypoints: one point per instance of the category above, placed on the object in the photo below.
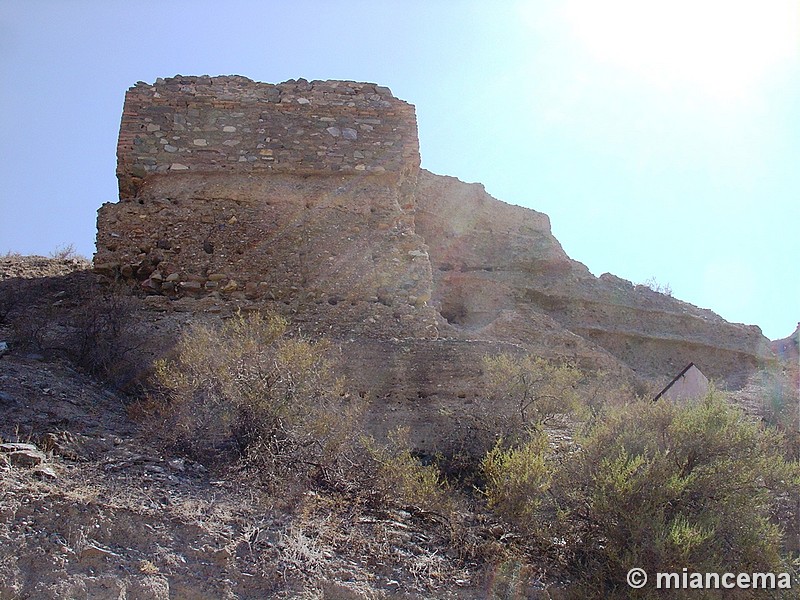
pixel 217 124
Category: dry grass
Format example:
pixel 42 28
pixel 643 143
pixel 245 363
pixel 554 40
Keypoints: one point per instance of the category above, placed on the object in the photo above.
pixel 67 252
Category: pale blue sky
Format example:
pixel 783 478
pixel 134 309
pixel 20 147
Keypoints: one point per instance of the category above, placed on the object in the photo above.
pixel 662 138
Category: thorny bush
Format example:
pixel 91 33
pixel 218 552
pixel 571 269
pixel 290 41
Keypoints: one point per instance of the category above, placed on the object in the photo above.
pixel 246 386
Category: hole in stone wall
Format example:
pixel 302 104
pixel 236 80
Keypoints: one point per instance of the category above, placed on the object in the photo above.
pixel 208 246
pixel 454 311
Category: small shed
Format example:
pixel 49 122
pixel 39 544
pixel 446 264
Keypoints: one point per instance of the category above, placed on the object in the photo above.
pixel 688 384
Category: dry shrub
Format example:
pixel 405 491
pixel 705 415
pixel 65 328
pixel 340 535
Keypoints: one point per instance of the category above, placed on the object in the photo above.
pixel 526 393
pixel 302 553
pixel 67 252
pixel 10 296
pixel 657 286
pixel 601 391
pixel 245 390
pixel 32 308
pixel 101 336
pixel 246 387
pixel 76 318
pixel 530 391
pixel 665 485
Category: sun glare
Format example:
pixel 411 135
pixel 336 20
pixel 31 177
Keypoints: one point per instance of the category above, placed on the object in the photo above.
pixel 720 47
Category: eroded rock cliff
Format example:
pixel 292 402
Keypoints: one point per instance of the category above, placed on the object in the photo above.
pixel 494 263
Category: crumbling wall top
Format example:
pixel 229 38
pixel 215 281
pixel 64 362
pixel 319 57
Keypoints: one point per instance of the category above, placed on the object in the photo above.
pixel 232 123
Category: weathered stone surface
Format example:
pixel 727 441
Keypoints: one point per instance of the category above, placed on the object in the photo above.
pixel 44 472
pixel 17 447
pixel 290 119
pixel 94 551
pixel 494 262
pixel 307 199
pixel 788 349
pixel 788 352
pixel 26 267
pixel 26 458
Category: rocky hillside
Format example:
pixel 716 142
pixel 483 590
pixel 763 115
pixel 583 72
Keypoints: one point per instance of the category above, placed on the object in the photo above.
pixel 13 266
pixel 94 505
pixel 788 349
pixel 306 198
pixel 92 508
pixel 491 259
pixel 788 352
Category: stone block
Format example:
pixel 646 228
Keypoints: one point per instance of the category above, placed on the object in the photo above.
pixel 26 458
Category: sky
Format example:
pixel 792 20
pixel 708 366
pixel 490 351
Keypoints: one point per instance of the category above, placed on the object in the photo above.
pixel 662 138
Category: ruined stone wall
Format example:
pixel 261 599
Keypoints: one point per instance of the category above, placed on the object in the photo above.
pixel 224 124
pixel 296 197
pixel 307 199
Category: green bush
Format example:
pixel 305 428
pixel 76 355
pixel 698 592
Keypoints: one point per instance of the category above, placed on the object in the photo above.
pixel 666 486
pixel 661 486
pixel 396 474
pixel 525 394
pixel 516 480
pixel 248 387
